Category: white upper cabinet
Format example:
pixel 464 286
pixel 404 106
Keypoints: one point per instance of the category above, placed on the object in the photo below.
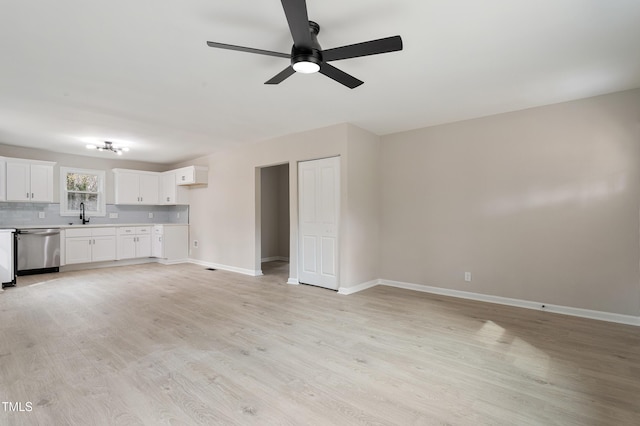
pixel 3 179
pixel 170 193
pixel 192 175
pixel 29 180
pixel 136 187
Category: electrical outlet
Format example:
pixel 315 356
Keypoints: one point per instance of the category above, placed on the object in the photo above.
pixel 467 276
pixel 150 215
pixel 113 215
pixel 41 215
pixel 195 243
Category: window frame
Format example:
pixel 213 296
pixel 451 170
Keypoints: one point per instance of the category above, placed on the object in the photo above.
pixel 102 205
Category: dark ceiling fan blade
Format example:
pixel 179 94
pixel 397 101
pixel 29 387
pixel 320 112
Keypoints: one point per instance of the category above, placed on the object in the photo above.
pixel 340 76
pixel 298 19
pixel 247 49
pixel 281 76
pixel 373 47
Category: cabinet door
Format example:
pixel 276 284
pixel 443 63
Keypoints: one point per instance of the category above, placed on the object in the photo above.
pixel 3 179
pixel 149 185
pixel 168 188
pixel 41 183
pixel 186 175
pixel 126 247
pixel 103 248
pixel 143 246
pixel 77 250
pixel 127 188
pixel 157 246
pixel 18 181
pixel 176 242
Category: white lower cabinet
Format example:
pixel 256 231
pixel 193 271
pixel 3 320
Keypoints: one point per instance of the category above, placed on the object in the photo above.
pixel 134 242
pixel 170 242
pixel 83 245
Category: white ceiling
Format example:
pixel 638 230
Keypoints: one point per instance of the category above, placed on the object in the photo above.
pixel 140 72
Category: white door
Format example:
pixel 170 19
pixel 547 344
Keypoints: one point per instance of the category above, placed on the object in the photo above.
pixel 103 248
pixel 127 188
pixel 143 246
pixel 149 189
pixel 18 181
pixel 168 188
pixel 41 182
pixel 126 247
pixel 319 210
pixel 77 250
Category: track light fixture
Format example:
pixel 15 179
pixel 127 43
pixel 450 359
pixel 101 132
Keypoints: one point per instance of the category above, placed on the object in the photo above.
pixel 109 146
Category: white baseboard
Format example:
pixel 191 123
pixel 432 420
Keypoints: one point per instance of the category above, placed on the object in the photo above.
pixel 173 261
pixel 558 309
pixel 359 287
pixel 274 258
pixel 106 264
pixel 293 281
pixel 251 272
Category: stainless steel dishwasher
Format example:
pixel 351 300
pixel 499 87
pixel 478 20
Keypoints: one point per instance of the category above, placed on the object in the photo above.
pixel 38 250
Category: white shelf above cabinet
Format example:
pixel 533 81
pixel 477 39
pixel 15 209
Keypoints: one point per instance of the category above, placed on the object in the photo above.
pixel 192 175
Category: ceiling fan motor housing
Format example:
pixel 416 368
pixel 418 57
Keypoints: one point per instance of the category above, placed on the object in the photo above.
pixel 302 54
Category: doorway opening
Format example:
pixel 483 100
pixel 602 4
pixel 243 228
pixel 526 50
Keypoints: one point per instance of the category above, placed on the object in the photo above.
pixel 274 220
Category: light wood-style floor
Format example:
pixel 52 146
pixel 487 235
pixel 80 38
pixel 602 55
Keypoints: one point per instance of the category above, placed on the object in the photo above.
pixel 180 345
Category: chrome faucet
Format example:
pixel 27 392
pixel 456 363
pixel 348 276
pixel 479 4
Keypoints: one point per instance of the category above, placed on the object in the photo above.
pixel 83 214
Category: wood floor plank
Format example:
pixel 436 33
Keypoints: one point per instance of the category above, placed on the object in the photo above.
pixel 161 345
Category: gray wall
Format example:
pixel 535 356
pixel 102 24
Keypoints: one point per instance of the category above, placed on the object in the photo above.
pixel 539 205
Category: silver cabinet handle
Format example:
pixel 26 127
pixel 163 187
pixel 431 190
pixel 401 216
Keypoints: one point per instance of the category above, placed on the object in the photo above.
pixel 27 195
pixel 32 195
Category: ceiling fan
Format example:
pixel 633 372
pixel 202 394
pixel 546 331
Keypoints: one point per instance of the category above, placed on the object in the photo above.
pixel 306 54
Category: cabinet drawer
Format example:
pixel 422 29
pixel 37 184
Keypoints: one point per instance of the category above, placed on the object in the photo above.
pixel 77 232
pixel 98 232
pixel 143 230
pixel 126 230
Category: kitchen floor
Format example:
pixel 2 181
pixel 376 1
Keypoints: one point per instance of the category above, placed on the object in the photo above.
pixel 154 344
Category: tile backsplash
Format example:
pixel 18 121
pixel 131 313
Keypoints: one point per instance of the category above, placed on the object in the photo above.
pixel 31 214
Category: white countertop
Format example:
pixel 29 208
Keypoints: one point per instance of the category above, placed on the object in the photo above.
pixel 90 225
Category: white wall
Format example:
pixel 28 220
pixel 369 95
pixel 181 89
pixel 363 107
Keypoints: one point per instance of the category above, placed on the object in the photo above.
pixel 540 205
pixel 223 214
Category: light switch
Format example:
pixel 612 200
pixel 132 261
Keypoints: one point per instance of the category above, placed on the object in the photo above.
pixel 41 215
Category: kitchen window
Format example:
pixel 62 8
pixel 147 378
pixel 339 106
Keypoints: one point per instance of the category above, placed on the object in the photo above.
pixel 82 186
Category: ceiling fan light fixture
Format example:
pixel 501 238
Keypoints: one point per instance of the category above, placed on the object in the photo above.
pixel 306 67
